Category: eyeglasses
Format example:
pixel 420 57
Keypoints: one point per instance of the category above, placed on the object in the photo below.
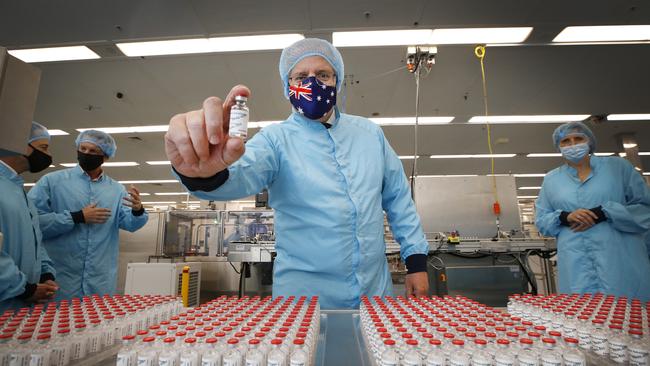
pixel 322 76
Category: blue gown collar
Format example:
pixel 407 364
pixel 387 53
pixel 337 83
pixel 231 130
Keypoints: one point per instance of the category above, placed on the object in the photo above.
pixel 594 162
pixel 9 173
pixel 310 123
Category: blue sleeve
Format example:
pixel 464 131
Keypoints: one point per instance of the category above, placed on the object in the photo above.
pixel 52 223
pixel 397 202
pixel 127 220
pixel 254 171
pixel 632 216
pixel 547 219
pixel 12 280
pixel 46 263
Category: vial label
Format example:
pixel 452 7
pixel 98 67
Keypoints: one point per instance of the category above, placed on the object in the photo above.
pixel 16 359
pixel 231 361
pixel 238 122
pixel 584 339
pixel 210 361
pixel 146 360
pixel 94 345
pixel 618 351
pixel 126 359
pixel 574 362
pixel 37 360
pixel 599 344
pixel 638 356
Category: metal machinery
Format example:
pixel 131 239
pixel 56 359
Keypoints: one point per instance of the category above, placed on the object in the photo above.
pixel 163 279
pixel 249 236
pixel 470 253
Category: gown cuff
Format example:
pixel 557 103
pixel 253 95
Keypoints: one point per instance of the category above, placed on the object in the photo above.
pixel 204 184
pixel 416 263
pixel 46 277
pixel 30 288
pixel 564 218
pixel 78 217
pixel 139 212
pixel 600 213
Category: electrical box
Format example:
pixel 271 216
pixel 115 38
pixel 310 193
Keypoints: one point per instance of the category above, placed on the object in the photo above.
pixel 162 279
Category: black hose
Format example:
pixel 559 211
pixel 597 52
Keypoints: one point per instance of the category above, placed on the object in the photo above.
pixel 533 285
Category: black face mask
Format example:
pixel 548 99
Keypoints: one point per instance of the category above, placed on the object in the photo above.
pixel 89 162
pixel 38 160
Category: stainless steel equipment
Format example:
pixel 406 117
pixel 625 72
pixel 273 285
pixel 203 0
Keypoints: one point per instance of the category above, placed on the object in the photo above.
pixel 193 233
pixel 249 236
pixel 465 204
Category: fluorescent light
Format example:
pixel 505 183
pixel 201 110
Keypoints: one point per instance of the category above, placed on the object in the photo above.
pixel 261 124
pixel 527 175
pixel 544 155
pixel 525 197
pixel 645 153
pixel 150 181
pixel 29 184
pixel 622 154
pixel 407 157
pixel 172 193
pixel 405 37
pixel 630 145
pixel 646 173
pixel 159 162
pixel 108 165
pixel 447 176
pixel 472 156
pixel 54 132
pixel 553 118
pixel 606 33
pixel 52 166
pixel 208 45
pixel 529 188
pixel 54 54
pixel 480 35
pixel 254 43
pixel 145 194
pixel 132 129
pixel 629 117
pixel 604 154
pixel 395 121
pixel 637 168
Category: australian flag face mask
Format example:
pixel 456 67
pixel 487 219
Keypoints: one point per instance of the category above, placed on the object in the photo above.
pixel 312 98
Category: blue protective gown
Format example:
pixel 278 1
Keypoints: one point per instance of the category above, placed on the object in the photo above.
pixel 85 255
pixel 23 258
pixel 328 188
pixel 610 257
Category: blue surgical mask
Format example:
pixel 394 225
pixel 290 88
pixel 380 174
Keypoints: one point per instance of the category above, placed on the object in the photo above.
pixel 575 153
pixel 311 98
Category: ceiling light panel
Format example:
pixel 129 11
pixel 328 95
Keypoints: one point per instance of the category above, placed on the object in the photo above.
pixel 51 54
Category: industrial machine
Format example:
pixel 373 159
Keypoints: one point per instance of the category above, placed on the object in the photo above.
pixel 249 236
pixel 193 233
pixel 163 279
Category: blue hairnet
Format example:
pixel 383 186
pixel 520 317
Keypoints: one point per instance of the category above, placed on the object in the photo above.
pixel 305 48
pixel 38 132
pixel 103 140
pixel 573 128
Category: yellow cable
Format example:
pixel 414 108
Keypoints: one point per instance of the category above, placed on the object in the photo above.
pixel 185 286
pixel 479 51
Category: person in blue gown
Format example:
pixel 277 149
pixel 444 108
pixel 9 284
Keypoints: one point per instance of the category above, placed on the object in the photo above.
pixel 27 275
pixel 81 211
pixel 330 177
pixel 598 209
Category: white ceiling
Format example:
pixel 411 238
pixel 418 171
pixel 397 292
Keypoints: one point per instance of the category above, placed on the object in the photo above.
pixel 530 79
